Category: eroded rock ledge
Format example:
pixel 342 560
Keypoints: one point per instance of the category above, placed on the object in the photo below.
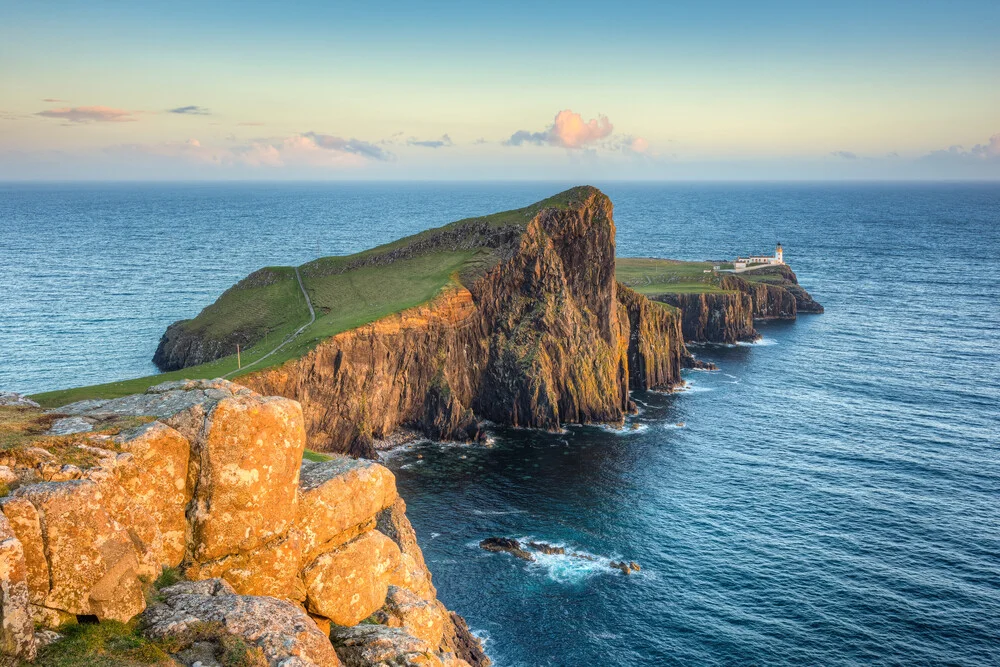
pixel 281 552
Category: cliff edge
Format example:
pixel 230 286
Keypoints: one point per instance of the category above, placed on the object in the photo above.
pixel 287 561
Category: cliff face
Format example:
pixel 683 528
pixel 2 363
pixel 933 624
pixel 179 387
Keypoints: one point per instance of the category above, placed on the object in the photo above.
pixel 656 351
pixel 217 488
pixel 540 338
pixel 727 317
pixel 714 317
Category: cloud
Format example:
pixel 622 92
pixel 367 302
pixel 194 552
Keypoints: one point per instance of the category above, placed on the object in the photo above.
pixel 568 130
pixel 980 152
pixel 90 115
pixel 443 142
pixel 847 155
pixel 353 146
pixel 52 99
pixel 191 110
pixel 250 124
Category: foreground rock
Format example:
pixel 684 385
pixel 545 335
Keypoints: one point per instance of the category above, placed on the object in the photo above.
pixel 278 547
pixel 285 634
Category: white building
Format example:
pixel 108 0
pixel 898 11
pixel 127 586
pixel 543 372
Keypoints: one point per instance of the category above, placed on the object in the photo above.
pixel 778 258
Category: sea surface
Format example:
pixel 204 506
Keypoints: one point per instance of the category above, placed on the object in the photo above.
pixel 830 496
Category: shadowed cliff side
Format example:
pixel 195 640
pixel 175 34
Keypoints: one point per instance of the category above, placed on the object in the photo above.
pixel 537 339
pixel 716 306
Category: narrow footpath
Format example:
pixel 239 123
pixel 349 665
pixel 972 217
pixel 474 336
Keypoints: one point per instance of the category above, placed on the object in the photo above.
pixel 291 337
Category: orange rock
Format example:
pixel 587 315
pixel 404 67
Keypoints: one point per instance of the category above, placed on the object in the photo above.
pixel 337 495
pixel 93 564
pixel 349 584
pixel 17 629
pixel 248 460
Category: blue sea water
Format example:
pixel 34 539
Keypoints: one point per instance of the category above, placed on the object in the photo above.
pixel 830 496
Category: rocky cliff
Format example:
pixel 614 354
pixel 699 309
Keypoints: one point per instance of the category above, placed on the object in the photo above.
pixel 217 488
pixel 727 314
pixel 536 338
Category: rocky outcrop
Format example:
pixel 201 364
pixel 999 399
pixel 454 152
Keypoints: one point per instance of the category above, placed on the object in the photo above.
pixel 284 633
pixel 218 487
pixel 656 351
pixel 714 317
pixel 539 338
pixel 727 314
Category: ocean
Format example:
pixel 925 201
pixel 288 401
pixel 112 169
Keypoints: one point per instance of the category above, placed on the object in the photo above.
pixel 830 496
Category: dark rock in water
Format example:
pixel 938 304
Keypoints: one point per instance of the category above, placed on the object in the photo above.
pixel 505 545
pixel 547 548
pixel 624 567
pixel 691 362
pixel 582 556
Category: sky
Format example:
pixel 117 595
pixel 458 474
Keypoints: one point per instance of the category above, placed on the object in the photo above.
pixel 708 90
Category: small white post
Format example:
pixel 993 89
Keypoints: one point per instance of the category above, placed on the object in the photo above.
pixel 239 364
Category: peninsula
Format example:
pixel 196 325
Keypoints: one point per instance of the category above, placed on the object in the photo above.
pixel 522 317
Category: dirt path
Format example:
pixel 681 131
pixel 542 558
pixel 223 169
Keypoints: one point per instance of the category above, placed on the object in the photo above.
pixel 290 338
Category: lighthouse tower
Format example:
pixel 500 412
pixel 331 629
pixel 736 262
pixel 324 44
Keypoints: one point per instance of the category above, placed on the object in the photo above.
pixel 779 255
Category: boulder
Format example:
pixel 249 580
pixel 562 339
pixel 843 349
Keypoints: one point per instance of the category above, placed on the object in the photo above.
pixel 92 562
pixel 411 573
pixel 17 629
pixel 423 619
pixel 69 426
pixel 348 584
pixel 159 486
pixel 338 495
pixel 382 646
pixel 249 453
pixel 10 398
pixel 25 523
pixel 271 569
pixel 285 634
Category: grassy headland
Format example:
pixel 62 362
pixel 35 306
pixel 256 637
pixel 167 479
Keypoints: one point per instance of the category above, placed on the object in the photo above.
pixel 346 291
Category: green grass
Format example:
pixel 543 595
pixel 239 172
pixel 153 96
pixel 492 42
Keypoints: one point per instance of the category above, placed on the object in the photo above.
pixel 346 292
pixel 310 455
pixel 666 276
pixel 105 644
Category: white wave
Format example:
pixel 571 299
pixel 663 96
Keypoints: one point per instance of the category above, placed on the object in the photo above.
pixel 760 341
pixel 496 513
pixel 677 425
pixel 433 535
pixel 628 429
pixel 692 388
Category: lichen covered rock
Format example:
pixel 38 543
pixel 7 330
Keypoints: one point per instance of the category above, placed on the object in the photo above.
pixel 350 583
pixel 17 629
pixel 285 633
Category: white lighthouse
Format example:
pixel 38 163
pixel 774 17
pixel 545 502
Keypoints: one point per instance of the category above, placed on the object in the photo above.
pixel 779 255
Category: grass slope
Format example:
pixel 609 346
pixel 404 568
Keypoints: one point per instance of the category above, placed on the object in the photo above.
pixel 346 292
pixel 667 276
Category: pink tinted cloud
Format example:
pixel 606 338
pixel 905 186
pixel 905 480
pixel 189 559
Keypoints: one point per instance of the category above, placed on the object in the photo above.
pixel 98 114
pixel 568 130
pixel 571 131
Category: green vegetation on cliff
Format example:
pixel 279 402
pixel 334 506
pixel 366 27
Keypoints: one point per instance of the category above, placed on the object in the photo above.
pixel 267 307
pixel 667 276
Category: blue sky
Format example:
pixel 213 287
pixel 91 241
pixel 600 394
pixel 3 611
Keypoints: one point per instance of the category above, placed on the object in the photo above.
pixel 726 90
